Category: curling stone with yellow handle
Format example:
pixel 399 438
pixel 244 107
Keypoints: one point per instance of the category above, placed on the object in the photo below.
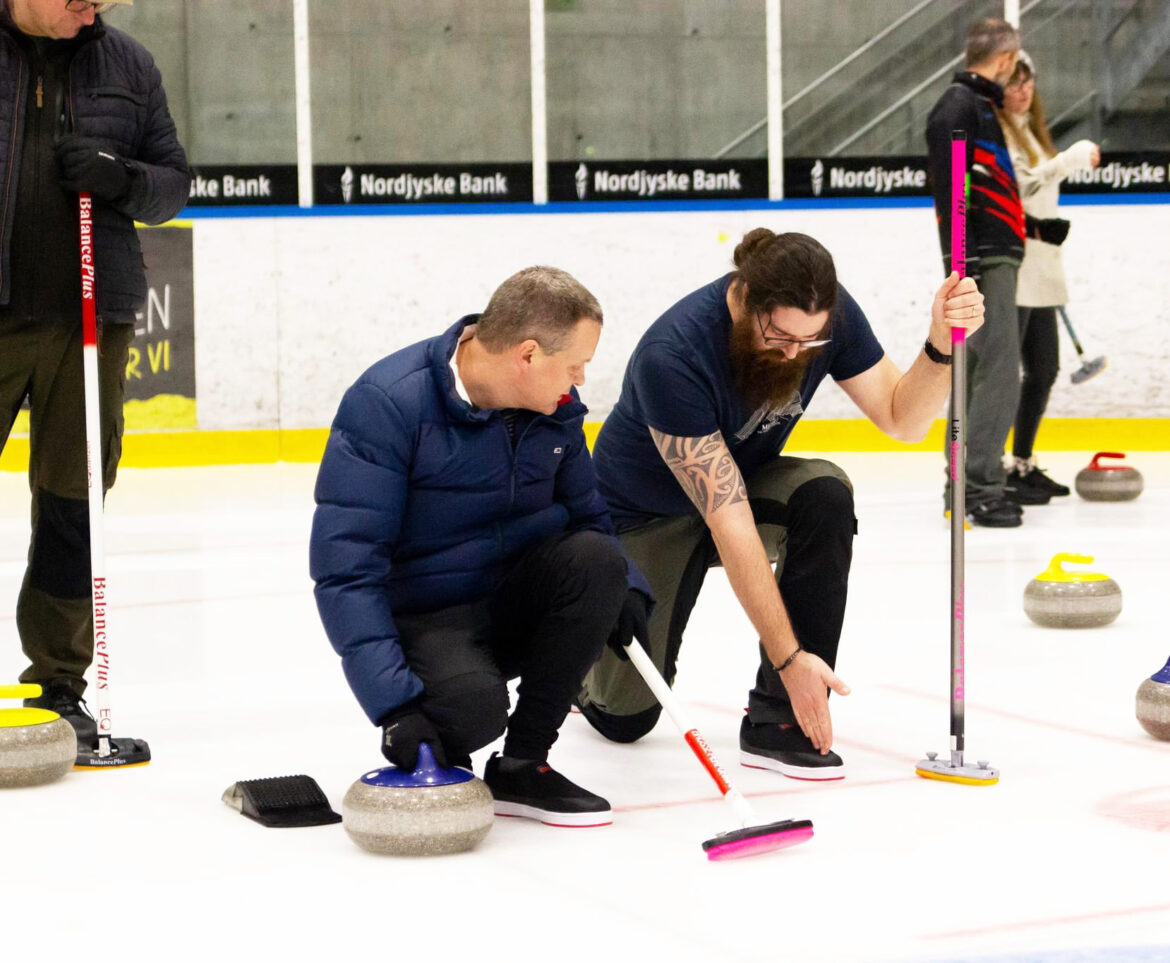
pixel 1061 599
pixel 36 745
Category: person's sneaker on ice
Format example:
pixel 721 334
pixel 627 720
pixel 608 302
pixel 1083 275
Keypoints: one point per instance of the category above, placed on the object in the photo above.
pixel 526 787
pixel 785 749
pixel 60 698
pixel 1025 476
pixel 995 512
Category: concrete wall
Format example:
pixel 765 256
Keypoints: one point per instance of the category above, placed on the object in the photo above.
pixel 404 81
pixel 289 311
pixel 400 81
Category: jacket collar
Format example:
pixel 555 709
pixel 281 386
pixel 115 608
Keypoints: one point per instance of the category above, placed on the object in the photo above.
pixel 988 89
pixel 440 355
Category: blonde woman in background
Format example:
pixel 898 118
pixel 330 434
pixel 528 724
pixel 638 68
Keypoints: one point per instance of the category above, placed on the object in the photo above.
pixel 1041 286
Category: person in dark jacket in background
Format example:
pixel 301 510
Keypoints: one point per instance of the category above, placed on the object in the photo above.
pixel 460 541
pixel 995 248
pixel 82 108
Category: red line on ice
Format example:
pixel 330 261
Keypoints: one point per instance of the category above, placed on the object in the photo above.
pixel 1053 921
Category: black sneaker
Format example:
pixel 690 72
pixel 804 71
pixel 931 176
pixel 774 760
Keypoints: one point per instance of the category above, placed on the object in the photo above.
pixel 787 750
pixel 1022 494
pixel 524 787
pixel 995 512
pixel 60 698
pixel 1035 479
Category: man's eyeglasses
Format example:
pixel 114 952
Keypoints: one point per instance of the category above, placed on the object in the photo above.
pixel 81 6
pixel 783 340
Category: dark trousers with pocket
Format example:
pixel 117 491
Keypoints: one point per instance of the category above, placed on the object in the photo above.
pixel 803 509
pixel 545 624
pixel 41 360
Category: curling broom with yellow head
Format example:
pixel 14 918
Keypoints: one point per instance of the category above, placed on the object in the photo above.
pixel 930 767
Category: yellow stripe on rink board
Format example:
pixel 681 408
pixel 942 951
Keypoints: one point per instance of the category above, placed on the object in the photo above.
pixel 172 449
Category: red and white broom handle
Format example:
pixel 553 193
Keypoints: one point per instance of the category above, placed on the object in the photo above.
pixel 958 447
pixel 94 475
pixel 653 679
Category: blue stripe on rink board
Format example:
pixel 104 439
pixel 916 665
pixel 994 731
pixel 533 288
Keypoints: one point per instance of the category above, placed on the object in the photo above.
pixel 1109 954
pixel 622 207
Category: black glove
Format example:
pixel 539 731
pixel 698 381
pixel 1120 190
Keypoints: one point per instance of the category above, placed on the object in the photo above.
pixel 86 165
pixel 1052 230
pixel 402 731
pixel 631 625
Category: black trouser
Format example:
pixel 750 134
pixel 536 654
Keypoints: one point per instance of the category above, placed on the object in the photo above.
pixel 41 360
pixel 546 624
pixel 804 515
pixel 1040 360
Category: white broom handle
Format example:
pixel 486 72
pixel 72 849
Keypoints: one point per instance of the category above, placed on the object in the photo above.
pixel 94 475
pixel 653 679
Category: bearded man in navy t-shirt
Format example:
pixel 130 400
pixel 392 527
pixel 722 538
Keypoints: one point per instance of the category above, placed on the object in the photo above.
pixel 689 462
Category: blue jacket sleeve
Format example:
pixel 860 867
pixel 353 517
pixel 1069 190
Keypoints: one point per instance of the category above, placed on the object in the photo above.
pixel 360 494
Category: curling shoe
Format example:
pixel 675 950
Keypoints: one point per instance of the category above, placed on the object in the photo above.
pixel 534 790
pixel 1030 478
pixel 995 512
pixel 787 750
pixel 1020 494
pixel 58 697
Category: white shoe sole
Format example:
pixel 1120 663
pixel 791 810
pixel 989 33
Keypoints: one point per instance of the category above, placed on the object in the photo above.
pixel 808 773
pixel 566 820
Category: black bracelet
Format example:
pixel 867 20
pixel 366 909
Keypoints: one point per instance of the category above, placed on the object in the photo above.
pixel 787 662
pixel 934 354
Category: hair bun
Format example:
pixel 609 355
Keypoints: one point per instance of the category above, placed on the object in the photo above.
pixel 752 241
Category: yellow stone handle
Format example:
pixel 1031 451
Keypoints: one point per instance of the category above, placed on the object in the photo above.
pixel 1056 573
pixel 19 691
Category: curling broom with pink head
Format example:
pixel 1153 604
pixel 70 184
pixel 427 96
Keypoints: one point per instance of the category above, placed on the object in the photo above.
pixel 753 838
pixel 930 767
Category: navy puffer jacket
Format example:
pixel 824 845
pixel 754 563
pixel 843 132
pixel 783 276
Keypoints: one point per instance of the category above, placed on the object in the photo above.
pixel 116 95
pixel 422 503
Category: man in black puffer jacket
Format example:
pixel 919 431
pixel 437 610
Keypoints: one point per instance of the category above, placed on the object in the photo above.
pixel 82 108
pixel 995 248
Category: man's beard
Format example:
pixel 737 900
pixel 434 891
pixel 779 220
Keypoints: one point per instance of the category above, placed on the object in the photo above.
pixel 765 376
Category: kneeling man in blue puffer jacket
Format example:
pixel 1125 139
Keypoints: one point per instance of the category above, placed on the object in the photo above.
pixel 460 542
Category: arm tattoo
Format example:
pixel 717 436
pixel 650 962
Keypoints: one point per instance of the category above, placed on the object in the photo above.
pixel 704 468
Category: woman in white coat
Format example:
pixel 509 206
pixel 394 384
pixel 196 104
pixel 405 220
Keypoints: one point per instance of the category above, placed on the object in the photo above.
pixel 1041 287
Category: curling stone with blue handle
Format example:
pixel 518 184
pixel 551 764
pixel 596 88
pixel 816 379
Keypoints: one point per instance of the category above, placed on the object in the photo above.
pixel 428 812
pixel 36 745
pixel 1108 483
pixel 1153 703
pixel 1071 600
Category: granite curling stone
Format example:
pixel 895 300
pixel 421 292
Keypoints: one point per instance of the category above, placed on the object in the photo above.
pixel 36 746
pixel 1108 483
pixel 1153 703
pixel 428 812
pixel 1071 600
